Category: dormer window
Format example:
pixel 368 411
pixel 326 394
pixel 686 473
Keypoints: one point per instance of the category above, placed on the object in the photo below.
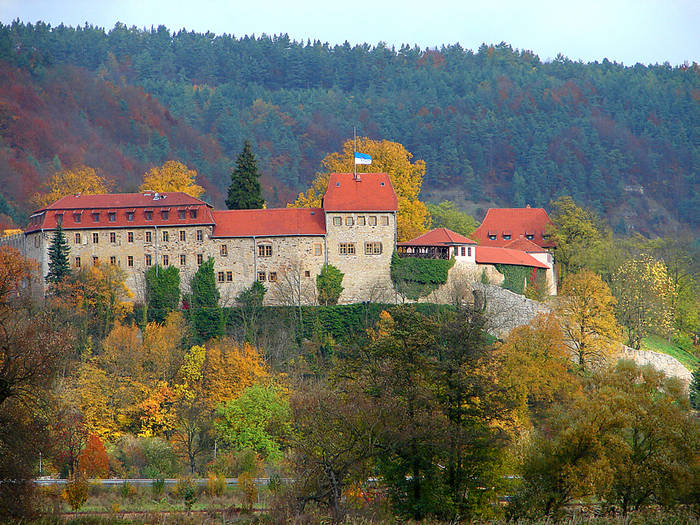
pixel 181 214
pixel 112 216
pixel 193 214
pixel 164 214
pixel 95 216
pixel 492 236
pixel 130 216
pixel 59 219
pixel 529 236
pixel 506 236
pixel 77 217
pixel 149 215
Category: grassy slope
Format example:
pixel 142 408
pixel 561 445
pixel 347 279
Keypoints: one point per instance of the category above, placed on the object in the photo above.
pixel 659 344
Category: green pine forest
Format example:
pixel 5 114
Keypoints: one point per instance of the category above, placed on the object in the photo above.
pixel 496 125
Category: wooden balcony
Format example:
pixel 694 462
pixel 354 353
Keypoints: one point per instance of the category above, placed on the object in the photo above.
pixel 424 252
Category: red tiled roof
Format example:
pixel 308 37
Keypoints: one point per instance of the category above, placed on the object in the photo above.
pixel 494 255
pixel 124 200
pixel 73 207
pixel 438 237
pixel 524 245
pixel 270 222
pixel 514 222
pixel 372 192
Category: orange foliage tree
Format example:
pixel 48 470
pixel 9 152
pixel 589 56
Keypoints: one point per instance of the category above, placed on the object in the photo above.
pixel 172 176
pixel 93 461
pixel 390 157
pixel 81 179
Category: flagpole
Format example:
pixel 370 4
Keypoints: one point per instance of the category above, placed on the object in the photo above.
pixel 354 150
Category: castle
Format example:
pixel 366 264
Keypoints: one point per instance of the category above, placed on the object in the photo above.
pixel 284 248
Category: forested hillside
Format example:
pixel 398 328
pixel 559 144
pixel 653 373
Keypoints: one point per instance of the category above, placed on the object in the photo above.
pixel 494 126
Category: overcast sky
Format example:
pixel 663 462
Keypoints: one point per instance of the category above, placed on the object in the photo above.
pixel 629 31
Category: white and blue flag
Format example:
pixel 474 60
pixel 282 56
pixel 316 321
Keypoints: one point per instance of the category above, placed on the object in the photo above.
pixel 362 158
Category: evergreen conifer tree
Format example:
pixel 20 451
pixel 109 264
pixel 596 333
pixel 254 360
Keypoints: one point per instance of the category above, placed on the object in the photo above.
pixel 244 192
pixel 58 257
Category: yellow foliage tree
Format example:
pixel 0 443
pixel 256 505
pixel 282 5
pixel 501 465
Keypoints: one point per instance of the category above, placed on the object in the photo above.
pixel 162 353
pixel 172 176
pixel 230 369
pixel 157 411
pixel 81 179
pixel 390 157
pixel 585 310
pixel 535 365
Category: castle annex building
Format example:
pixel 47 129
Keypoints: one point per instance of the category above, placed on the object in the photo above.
pixel 354 230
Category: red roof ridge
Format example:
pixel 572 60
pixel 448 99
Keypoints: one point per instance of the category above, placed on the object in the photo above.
pixel 524 245
pixel 438 236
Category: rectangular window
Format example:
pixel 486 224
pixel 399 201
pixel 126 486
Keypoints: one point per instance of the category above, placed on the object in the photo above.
pixel 78 217
pixel 506 236
pixel 112 216
pixel 149 237
pixel 361 220
pixel 221 277
pixel 183 259
pixel 166 260
pixel 261 276
pixel 385 220
pixel 348 221
pixel 200 235
pixel 181 214
pixel 372 220
pixel 346 248
pixel 95 238
pixel 200 259
pixel 492 237
pixel 113 260
pixel 95 260
pixel 129 260
pixel 130 236
pixel 164 214
pixel 149 259
pixel 307 273
pixel 77 262
pixel 193 214
pixel 96 217
pixel 59 219
pixel 529 236
pixel 149 215
pixel 469 251
pixel 130 216
pixel 112 237
pixel 273 277
pixel 318 249
pixel 166 236
pixel 265 250
pixel 337 221
pixel 229 277
pixel 462 250
pixel 77 238
pixel 223 250
pixel 183 235
pixel 373 248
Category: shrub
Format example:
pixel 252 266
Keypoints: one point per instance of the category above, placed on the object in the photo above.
pixel 157 488
pixel 247 485
pixel 186 490
pixel 216 485
pixel 76 493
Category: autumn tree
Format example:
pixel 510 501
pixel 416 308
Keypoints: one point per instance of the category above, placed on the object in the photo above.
pixel 645 295
pixel 535 365
pixel 34 345
pixel 244 193
pixel 172 176
pixel 585 310
pixel 93 461
pixel 574 232
pixel 390 157
pixel 81 179
pixel 59 266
